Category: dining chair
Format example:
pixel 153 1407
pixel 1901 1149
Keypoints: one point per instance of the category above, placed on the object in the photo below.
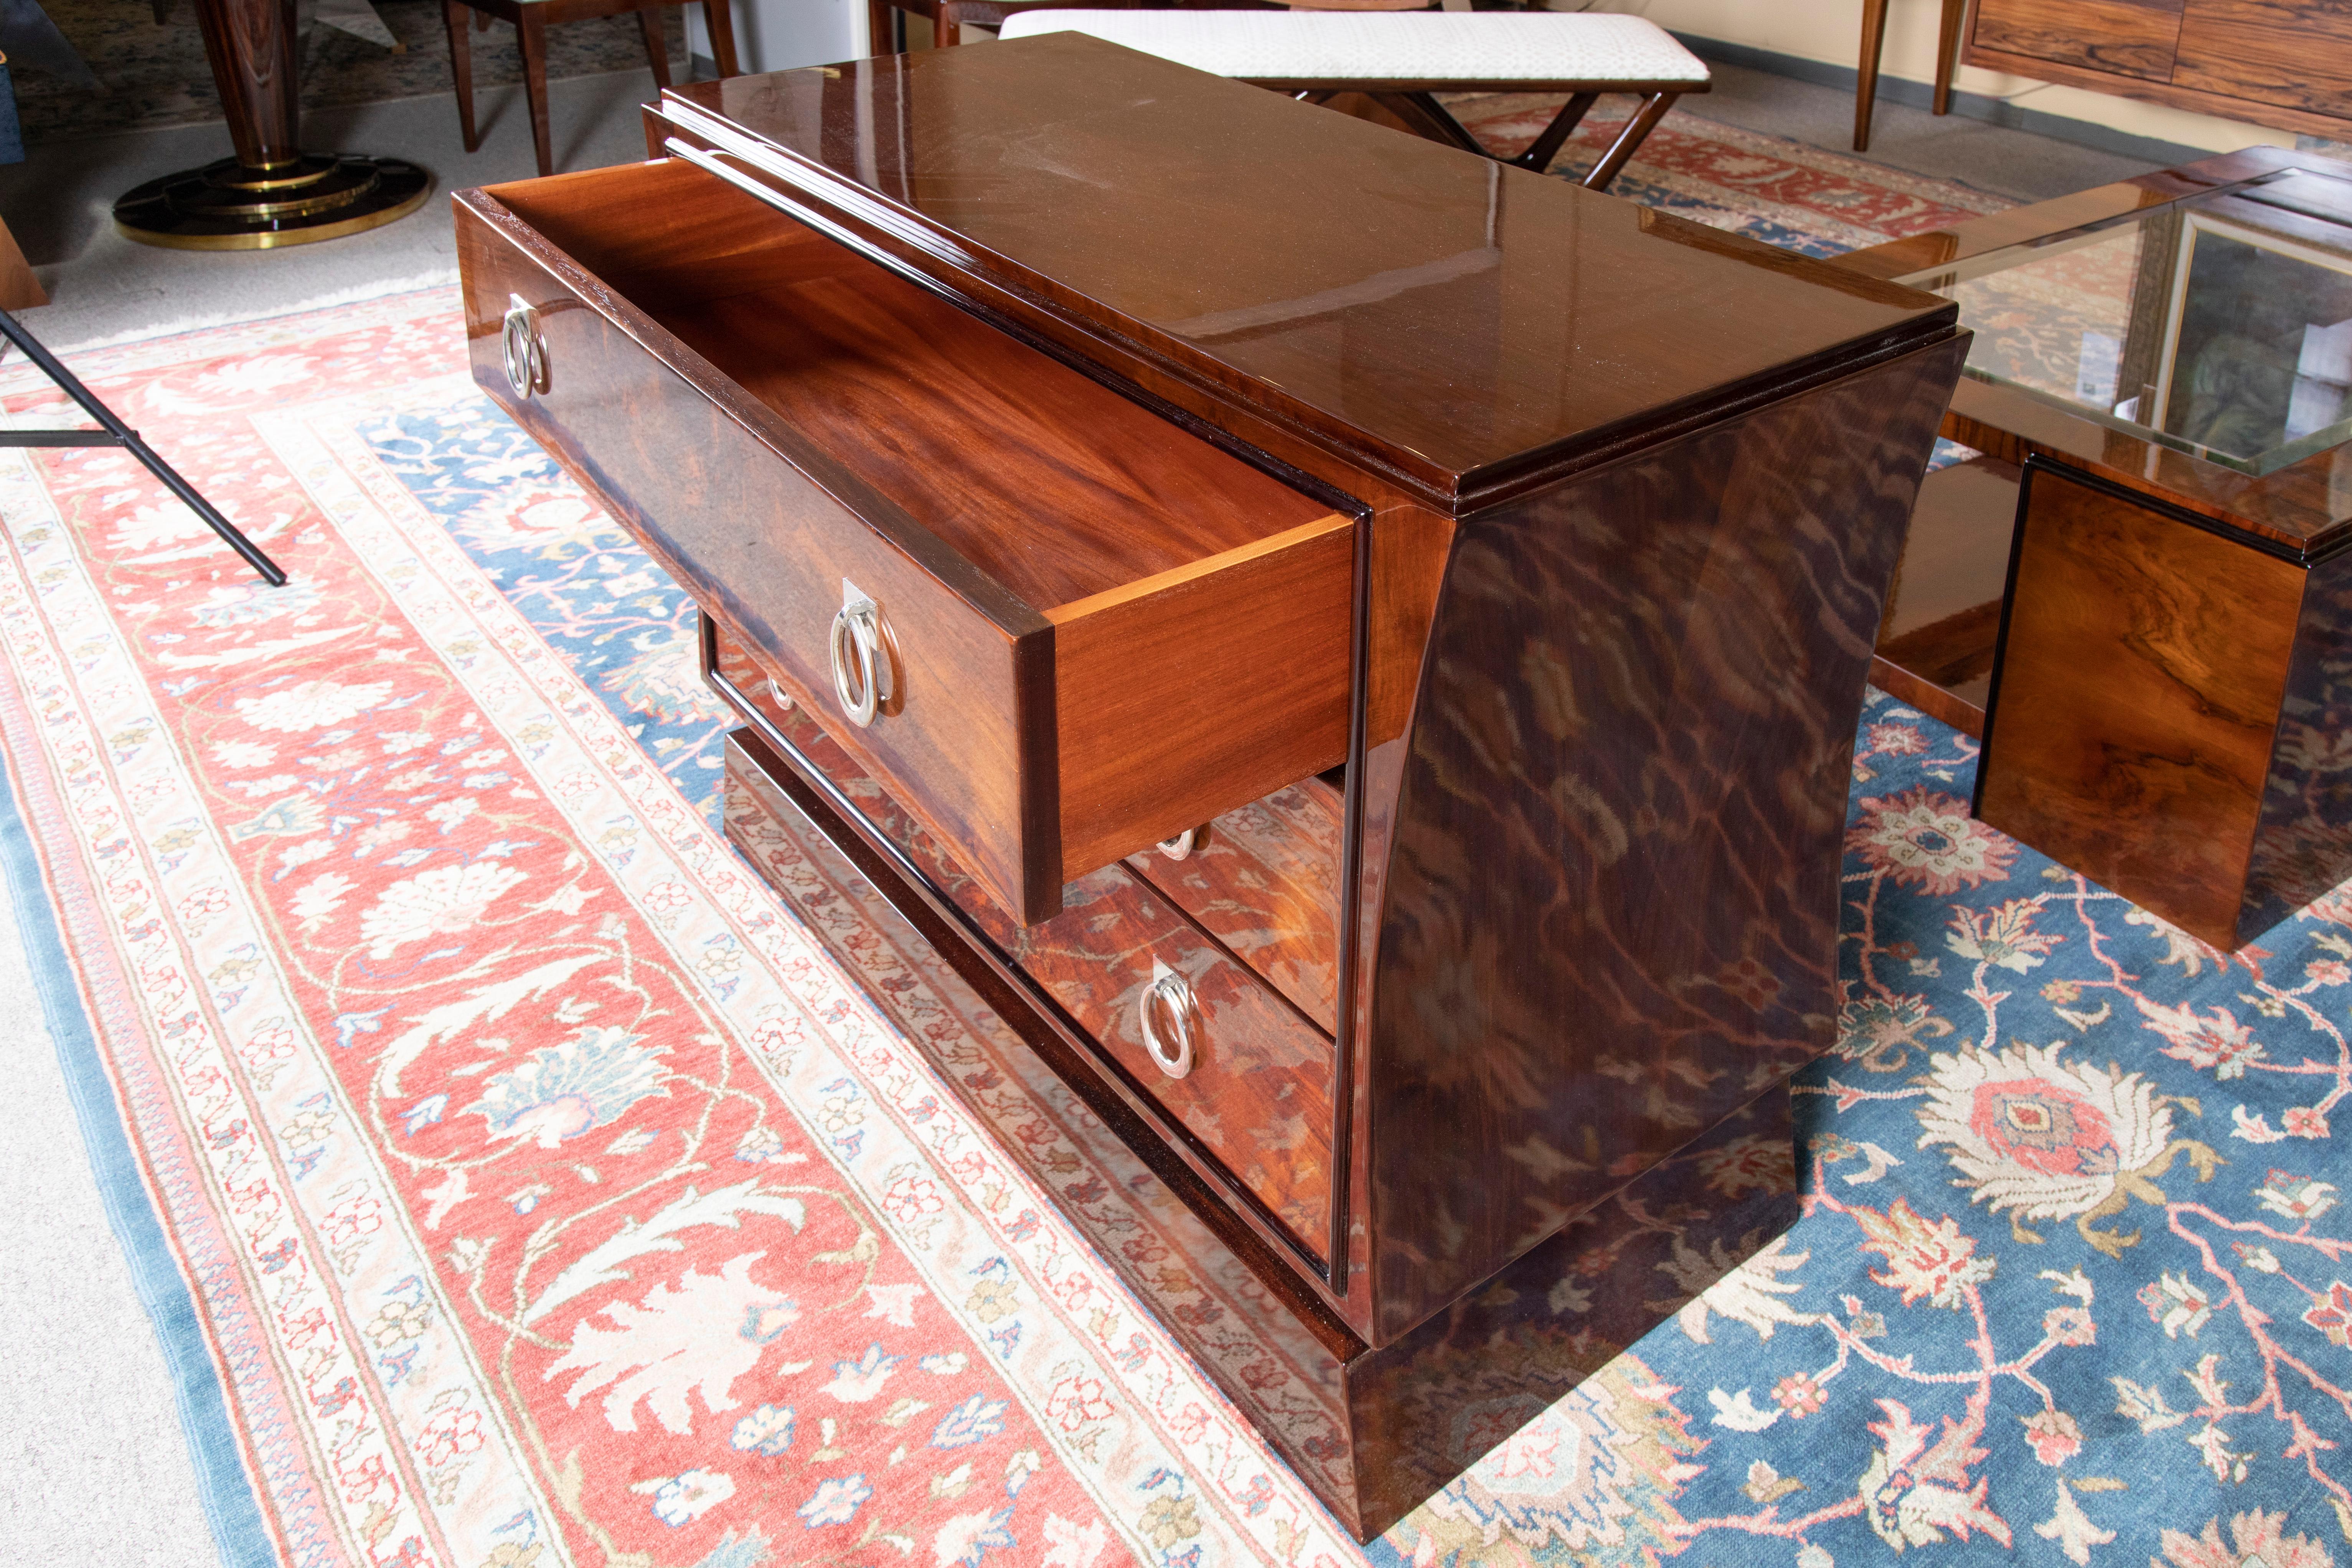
pixel 531 18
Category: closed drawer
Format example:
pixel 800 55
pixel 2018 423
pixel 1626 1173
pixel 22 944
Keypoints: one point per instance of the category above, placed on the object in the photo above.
pixel 1056 627
pixel 1244 1078
pixel 2124 38
pixel 1263 879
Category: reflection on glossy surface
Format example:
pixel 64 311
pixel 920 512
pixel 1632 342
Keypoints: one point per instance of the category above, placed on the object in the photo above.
pixel 1259 1095
pixel 2219 325
pixel 1630 757
pixel 1463 311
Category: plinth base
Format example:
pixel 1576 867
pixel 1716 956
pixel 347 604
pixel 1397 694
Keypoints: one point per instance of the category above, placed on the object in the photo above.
pixel 225 206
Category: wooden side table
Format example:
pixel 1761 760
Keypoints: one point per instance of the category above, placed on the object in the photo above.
pixel 269 193
pixel 2137 593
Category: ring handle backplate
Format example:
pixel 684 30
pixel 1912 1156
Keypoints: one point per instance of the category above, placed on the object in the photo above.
pixel 524 350
pixel 1169 1016
pixel 862 676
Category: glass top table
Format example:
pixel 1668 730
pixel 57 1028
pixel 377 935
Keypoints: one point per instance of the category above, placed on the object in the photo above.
pixel 2219 325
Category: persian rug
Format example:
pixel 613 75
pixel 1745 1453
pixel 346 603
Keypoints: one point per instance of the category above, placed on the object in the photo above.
pixel 543 1189
pixel 154 73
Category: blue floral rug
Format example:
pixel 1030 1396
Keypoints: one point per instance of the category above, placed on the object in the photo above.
pixel 2073 1279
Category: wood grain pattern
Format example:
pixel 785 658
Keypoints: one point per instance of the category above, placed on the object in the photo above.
pixel 2122 38
pixel 1632 756
pixel 1264 881
pixel 728 498
pixel 2288 53
pixel 1397 301
pixel 2141 671
pixel 1207 689
pixel 1201 657
pixel 255 63
pixel 2303 845
pixel 2280 116
pixel 1258 1103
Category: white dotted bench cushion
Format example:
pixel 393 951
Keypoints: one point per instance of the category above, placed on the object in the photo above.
pixel 1389 46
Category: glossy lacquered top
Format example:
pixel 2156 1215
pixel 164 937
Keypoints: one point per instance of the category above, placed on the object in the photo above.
pixel 1456 318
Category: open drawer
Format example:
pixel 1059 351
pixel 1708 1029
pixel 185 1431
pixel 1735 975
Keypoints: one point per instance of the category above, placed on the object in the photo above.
pixel 1057 627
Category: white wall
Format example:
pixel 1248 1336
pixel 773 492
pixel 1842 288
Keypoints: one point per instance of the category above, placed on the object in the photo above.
pixel 1831 31
pixel 782 35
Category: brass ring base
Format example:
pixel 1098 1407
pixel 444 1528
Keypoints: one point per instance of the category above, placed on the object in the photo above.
pixel 226 206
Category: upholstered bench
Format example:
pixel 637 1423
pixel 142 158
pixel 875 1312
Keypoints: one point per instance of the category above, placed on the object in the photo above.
pixel 1403 59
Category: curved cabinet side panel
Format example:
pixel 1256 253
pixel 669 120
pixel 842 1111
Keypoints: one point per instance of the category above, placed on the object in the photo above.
pixel 1611 912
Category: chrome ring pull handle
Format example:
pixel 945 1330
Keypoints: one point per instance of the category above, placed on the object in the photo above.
pixel 1169 1016
pixel 524 350
pixel 862 677
pixel 1179 847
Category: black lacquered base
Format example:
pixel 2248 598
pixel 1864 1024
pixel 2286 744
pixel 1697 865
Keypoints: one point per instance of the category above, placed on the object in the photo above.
pixel 227 205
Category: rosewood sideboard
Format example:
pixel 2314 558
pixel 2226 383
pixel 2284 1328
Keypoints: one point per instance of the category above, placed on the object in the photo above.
pixel 1352 649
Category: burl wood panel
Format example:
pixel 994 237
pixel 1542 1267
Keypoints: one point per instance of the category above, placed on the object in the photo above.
pixel 1258 1100
pixel 1264 881
pixel 1611 912
pixel 1424 1408
pixel 2141 669
pixel 2125 38
pixel 2303 845
pixel 2296 54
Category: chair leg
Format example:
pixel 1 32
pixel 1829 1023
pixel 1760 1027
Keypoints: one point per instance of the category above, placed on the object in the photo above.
pixel 1948 52
pixel 945 34
pixel 1629 141
pixel 649 23
pixel 881 27
pixel 461 66
pixel 1865 81
pixel 533 29
pixel 719 18
pixel 1547 145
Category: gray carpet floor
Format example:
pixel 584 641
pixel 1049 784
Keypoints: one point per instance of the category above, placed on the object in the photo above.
pixel 93 1470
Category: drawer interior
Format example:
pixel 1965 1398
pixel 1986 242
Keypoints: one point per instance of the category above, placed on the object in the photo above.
pixel 1055 485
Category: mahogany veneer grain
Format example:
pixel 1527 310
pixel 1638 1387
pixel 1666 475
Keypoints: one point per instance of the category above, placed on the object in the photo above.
pixel 1585 521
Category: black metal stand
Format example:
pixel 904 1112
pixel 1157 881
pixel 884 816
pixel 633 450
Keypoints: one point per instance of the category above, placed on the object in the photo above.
pixel 113 432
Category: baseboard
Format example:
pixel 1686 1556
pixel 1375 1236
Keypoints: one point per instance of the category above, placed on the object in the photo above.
pixel 1921 95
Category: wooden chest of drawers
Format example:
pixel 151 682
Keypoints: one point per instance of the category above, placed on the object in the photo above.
pixel 1470 579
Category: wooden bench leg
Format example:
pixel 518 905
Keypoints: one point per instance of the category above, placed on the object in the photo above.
pixel 1547 145
pixel 1629 141
pixel 1429 118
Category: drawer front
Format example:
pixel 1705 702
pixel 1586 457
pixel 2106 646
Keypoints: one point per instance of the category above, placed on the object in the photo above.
pixel 2124 38
pixel 1264 881
pixel 2285 56
pixel 1256 1101
pixel 715 487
